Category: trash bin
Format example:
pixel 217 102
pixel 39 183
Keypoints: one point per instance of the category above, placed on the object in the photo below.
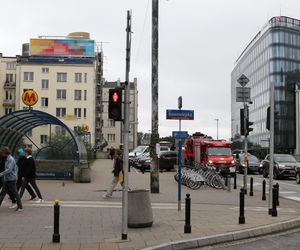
pixel 139 209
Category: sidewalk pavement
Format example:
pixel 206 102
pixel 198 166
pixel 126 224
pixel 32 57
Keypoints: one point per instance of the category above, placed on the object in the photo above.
pixel 88 221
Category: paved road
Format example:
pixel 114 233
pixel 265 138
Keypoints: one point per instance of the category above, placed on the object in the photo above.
pixel 287 240
pixel 289 189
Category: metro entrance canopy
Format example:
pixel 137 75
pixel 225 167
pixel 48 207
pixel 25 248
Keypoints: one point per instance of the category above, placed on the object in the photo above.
pixel 14 126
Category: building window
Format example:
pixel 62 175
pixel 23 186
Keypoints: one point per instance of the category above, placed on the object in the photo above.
pixel 85 95
pixel 61 77
pixel 77 112
pixel 111 137
pixel 9 78
pixel 78 77
pixel 61 94
pixel 45 83
pixel 28 76
pixel 45 70
pixel 8 95
pixel 8 110
pixel 85 77
pixel 77 94
pixel 44 139
pixel 111 123
pixel 44 101
pixel 60 112
pixel 59 130
pixel 11 65
pixel 84 113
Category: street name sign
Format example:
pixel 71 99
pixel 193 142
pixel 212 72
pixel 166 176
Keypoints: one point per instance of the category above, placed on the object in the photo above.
pixel 179 114
pixel 180 134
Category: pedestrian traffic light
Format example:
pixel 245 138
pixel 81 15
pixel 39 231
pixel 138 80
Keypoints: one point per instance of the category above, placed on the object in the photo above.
pixel 242 121
pixel 248 126
pixel 115 104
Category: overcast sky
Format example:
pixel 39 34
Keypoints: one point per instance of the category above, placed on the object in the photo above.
pixel 199 42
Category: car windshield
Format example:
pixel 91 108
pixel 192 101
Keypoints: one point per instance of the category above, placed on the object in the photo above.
pixel 219 151
pixel 251 158
pixel 139 149
pixel 284 158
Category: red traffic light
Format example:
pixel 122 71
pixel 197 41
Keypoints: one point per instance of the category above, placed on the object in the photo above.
pixel 115 96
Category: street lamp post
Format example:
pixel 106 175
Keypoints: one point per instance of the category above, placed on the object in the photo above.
pixel 217 128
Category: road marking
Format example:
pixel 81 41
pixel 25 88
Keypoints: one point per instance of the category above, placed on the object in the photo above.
pixel 287 192
pixel 264 209
pixel 295 198
pixel 99 204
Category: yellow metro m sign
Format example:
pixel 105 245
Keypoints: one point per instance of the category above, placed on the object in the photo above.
pixel 29 97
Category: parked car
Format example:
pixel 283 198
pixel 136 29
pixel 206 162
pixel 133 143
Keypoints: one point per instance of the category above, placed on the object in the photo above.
pixel 284 166
pixel 298 174
pixel 167 160
pixel 137 152
pixel 253 163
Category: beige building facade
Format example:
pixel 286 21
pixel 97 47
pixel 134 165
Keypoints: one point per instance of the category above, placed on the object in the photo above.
pixel 66 89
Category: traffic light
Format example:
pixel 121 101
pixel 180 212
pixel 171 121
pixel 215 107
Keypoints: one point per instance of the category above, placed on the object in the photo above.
pixel 242 122
pixel 248 126
pixel 268 118
pixel 115 104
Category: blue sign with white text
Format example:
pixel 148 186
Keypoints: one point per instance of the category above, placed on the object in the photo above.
pixel 180 134
pixel 179 114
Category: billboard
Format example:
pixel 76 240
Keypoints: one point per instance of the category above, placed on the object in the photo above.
pixel 62 47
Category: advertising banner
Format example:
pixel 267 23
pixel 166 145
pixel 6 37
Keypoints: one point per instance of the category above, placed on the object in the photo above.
pixel 62 47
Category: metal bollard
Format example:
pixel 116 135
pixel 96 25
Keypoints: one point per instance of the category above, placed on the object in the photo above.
pixel 277 194
pixel 234 181
pixel 264 190
pixel 242 207
pixel 229 184
pixel 226 180
pixel 187 226
pixel 56 235
pixel 251 186
pixel 274 202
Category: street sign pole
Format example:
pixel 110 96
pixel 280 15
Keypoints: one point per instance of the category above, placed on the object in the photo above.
pixel 179 158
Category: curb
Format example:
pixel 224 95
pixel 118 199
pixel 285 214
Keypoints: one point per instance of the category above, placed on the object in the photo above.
pixel 228 237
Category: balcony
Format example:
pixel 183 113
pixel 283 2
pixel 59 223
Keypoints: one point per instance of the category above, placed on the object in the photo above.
pixel 9 102
pixel 9 85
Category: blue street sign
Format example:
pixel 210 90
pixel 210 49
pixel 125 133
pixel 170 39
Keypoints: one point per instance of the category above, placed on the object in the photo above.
pixel 180 134
pixel 179 114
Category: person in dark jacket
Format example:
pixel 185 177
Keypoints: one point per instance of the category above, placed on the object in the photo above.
pixel 29 175
pixel 118 167
pixel 20 163
pixel 10 175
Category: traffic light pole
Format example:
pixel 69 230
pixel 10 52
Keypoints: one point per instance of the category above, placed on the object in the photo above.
pixel 271 165
pixel 126 131
pixel 246 117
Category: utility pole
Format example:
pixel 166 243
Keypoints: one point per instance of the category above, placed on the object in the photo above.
pixel 217 128
pixel 154 181
pixel 126 131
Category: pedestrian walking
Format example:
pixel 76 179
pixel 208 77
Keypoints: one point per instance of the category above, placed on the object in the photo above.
pixel 10 175
pixel 112 152
pixel 29 175
pixel 117 168
pixel 21 163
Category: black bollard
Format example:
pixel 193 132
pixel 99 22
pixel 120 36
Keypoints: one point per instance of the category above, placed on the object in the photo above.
pixel 242 207
pixel 277 194
pixel 251 186
pixel 56 235
pixel 226 180
pixel 274 202
pixel 264 190
pixel 234 181
pixel 187 226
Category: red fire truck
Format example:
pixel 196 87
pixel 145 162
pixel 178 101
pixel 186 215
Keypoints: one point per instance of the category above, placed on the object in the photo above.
pixel 201 149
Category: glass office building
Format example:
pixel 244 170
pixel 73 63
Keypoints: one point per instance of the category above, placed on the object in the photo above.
pixel 272 57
